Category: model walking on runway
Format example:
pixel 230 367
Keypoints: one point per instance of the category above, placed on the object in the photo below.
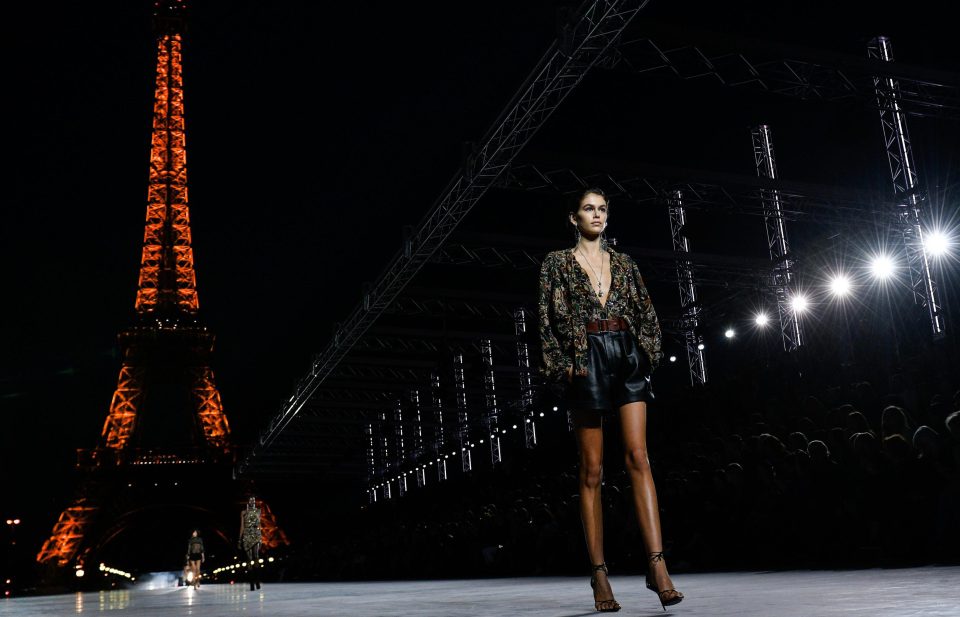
pixel 600 334
pixel 250 538
pixel 195 556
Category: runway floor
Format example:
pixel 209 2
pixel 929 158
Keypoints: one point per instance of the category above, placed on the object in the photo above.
pixel 927 591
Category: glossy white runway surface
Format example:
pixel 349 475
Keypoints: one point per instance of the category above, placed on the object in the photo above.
pixel 928 591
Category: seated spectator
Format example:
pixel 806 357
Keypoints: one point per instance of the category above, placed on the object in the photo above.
pixel 894 422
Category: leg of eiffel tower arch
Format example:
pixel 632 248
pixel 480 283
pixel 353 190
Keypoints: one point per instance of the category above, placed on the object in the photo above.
pixel 788 306
pixel 689 307
pixel 216 429
pixel 122 417
pixel 903 172
pixel 63 546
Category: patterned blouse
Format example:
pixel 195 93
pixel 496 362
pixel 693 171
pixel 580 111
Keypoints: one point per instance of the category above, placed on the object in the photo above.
pixel 568 300
pixel 251 527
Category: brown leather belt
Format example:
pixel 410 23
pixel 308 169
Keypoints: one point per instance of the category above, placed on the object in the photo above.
pixel 607 325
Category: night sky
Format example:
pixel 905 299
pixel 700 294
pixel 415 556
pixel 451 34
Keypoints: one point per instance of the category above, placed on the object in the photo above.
pixel 315 131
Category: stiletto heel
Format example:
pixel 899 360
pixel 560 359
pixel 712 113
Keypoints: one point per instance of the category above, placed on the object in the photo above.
pixel 602 606
pixel 676 596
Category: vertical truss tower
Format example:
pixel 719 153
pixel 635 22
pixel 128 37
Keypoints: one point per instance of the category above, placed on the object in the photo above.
pixel 689 307
pixel 906 186
pixel 790 327
pixel 166 428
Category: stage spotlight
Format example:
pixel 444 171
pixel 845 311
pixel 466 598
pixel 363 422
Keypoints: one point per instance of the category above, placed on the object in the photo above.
pixel 673 358
pixel 936 244
pixel 761 319
pixel 799 303
pixel 555 408
pixel 729 333
pixel 881 267
pixel 700 346
pixel 839 285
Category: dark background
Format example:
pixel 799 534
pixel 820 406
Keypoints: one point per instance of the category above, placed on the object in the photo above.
pixel 315 131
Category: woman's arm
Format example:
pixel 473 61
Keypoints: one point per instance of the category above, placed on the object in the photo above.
pixel 555 362
pixel 649 327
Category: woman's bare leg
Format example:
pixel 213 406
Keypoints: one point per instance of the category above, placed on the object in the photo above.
pixel 633 421
pixel 589 432
pixel 195 568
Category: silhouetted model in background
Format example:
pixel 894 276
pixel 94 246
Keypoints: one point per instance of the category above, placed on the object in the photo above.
pixel 250 539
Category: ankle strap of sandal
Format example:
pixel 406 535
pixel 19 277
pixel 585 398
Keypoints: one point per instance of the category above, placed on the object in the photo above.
pixel 655 557
pixel 600 567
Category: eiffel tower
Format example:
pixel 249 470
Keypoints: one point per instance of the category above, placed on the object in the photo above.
pixel 164 462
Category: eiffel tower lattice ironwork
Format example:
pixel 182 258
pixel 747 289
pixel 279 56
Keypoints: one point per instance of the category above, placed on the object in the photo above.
pixel 165 446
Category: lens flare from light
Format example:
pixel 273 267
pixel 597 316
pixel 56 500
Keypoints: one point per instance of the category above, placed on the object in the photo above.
pixel 761 319
pixel 881 267
pixel 840 285
pixel 729 333
pixel 799 303
pixel 936 244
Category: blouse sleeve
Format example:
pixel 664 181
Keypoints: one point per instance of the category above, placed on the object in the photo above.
pixel 555 362
pixel 649 326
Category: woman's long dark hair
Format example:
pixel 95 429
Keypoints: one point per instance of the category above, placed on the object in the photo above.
pixel 574 203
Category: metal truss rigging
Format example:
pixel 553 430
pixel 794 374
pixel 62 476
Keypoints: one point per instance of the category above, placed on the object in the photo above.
pixel 709 191
pixel 786 69
pixel 790 330
pixel 892 101
pixel 582 44
pixel 658 265
pixel 689 307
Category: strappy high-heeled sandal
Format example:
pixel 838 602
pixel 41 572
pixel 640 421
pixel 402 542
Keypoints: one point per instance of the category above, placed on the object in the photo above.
pixel 602 606
pixel 673 596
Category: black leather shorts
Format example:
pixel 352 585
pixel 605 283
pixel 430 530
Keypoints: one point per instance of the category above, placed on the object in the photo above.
pixel 618 372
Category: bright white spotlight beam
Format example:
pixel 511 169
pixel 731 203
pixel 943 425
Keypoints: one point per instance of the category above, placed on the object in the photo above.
pixel 799 303
pixel 881 267
pixel 761 319
pixel 936 244
pixel 840 286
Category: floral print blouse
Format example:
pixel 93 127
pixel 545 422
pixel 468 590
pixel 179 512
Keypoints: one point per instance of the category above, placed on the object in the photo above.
pixel 568 301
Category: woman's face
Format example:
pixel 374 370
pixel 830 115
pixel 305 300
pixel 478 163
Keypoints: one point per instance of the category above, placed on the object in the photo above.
pixel 194 534
pixel 252 502
pixel 591 217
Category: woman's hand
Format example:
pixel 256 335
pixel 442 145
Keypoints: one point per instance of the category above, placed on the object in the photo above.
pixel 569 374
